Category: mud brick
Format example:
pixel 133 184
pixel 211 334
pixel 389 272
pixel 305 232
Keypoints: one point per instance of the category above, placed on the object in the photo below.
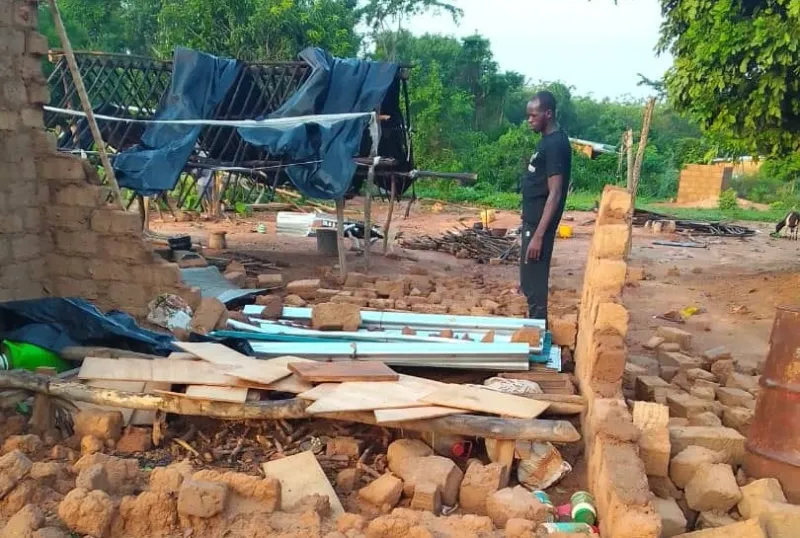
pixel 654 450
pixel 73 287
pixel 685 405
pixel 713 355
pixel 652 389
pixel 653 343
pixel 673 521
pixel 722 369
pixel 116 222
pixel 109 270
pixel 678 360
pixel 738 418
pixel 713 487
pixel 564 329
pixel 385 491
pixel 62 168
pixel 725 440
pixel 678 336
pixel 9 120
pixel 610 241
pixel 381 304
pixel 306 289
pixel 392 289
pixel 21 194
pixel 632 371
pixel 36 44
pixel 741 381
pixel 65 217
pixel 685 464
pixel 32 117
pixel 160 275
pixel 608 275
pixel 608 357
pixel 335 317
pixel 125 248
pixel 12 42
pixel 664 488
pixel 412 300
pixel 612 316
pixel 694 374
pixel 78 195
pixel 429 308
pixel 615 206
pixel 735 398
pixel 705 419
pixel 427 497
pixel 25 247
pixel 207 315
pixel 360 302
pixel 32 219
pixel 757 495
pixel 270 280
pixel 76 242
pixel 38 94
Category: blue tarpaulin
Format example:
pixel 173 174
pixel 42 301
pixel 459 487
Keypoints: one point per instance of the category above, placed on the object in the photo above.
pixel 336 86
pixel 55 323
pixel 199 82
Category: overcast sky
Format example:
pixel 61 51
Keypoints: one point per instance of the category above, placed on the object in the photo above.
pixel 595 46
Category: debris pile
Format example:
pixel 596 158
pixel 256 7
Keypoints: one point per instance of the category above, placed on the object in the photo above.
pixel 486 246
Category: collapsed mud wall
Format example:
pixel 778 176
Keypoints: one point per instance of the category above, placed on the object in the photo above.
pixel 616 473
pixel 58 234
pixel 703 182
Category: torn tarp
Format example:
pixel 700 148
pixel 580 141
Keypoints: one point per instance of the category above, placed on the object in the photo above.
pixel 199 82
pixel 55 323
pixel 336 86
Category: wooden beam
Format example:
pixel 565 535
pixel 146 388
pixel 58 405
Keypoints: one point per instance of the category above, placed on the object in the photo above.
pixel 392 195
pixel 555 431
pixel 340 238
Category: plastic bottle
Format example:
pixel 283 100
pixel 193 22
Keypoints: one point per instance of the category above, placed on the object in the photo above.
pixel 583 507
pixel 24 356
pixel 450 446
pixel 544 498
pixel 566 528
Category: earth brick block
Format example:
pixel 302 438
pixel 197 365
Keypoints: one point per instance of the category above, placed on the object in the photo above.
pixel 73 218
pixel 73 243
pixel 116 222
pixel 713 487
pixel 725 440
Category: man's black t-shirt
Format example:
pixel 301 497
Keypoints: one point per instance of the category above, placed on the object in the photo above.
pixel 553 156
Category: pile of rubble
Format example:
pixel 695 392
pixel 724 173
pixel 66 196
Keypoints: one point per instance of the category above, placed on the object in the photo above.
pixel 696 413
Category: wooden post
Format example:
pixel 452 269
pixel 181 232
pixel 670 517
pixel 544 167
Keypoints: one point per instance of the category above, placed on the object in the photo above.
pixel 635 172
pixel 340 237
pixel 85 103
pixel 216 192
pixel 368 212
pixel 392 195
pixel 629 149
pixel 146 212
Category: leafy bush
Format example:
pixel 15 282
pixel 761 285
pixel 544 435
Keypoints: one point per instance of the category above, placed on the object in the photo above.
pixel 727 200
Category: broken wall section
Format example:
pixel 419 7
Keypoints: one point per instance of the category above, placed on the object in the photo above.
pixel 58 235
pixel 703 182
pixel 616 473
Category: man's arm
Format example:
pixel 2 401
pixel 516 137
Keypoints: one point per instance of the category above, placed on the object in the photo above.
pixel 555 185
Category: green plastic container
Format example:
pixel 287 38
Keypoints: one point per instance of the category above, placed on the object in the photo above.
pixel 22 356
pixel 583 508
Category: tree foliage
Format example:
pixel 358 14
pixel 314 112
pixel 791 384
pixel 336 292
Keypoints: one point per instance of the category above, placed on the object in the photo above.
pixel 737 68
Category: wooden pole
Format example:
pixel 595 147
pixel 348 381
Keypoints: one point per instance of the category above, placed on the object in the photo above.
pixel 368 214
pixel 216 190
pixel 556 431
pixel 85 103
pixel 340 238
pixel 635 172
pixel 392 195
pixel 629 149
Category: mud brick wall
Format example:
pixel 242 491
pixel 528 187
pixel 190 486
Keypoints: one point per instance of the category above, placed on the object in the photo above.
pixel 701 182
pixel 58 236
pixel 616 473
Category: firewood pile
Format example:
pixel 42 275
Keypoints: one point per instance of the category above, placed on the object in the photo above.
pixel 481 245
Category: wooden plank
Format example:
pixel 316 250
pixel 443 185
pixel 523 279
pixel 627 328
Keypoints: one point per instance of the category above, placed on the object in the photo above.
pixel 301 475
pixel 383 416
pixel 239 365
pixel 319 392
pixel 116 369
pixel 341 371
pixel 292 384
pixel 217 394
pixel 486 401
pixel 183 356
pixel 367 396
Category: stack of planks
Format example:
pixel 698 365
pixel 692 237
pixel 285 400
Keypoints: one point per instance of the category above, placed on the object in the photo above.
pixel 214 372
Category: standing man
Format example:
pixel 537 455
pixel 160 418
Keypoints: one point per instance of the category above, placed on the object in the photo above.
pixel 544 194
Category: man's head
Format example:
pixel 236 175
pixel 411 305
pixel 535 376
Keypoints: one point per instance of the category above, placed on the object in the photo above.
pixel 541 111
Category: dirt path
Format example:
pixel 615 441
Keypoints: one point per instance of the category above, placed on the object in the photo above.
pixel 739 282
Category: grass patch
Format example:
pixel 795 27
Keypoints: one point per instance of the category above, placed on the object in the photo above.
pixel 689 213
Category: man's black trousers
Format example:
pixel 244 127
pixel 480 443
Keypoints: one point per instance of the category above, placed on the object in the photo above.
pixel 534 275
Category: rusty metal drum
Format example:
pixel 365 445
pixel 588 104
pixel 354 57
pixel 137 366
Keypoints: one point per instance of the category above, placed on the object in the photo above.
pixel 773 444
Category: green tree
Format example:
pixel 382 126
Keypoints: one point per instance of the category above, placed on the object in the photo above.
pixel 736 68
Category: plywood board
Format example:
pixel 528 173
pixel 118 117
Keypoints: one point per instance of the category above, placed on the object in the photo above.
pixel 319 392
pixel 159 370
pixel 300 475
pixel 218 394
pixel 341 371
pixel 485 401
pixel 239 365
pixel 292 384
pixel 367 396
pixel 183 356
pixel 383 416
